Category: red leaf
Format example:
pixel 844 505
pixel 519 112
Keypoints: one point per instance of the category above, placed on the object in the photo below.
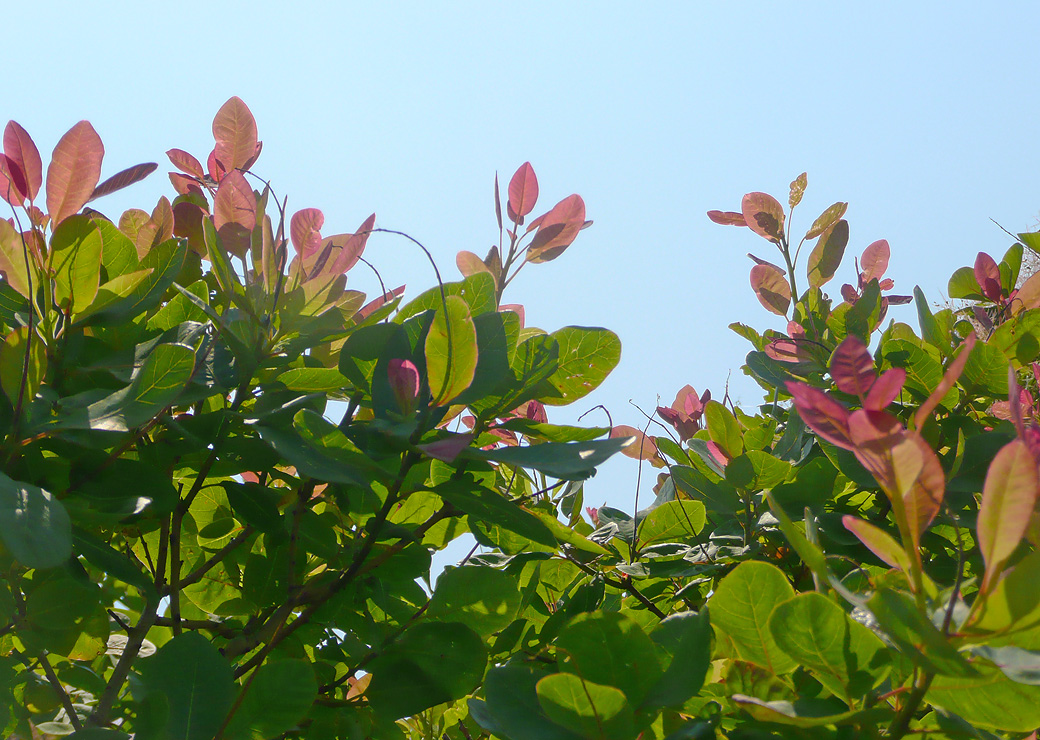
pixel 162 217
pixel 185 184
pixel 772 288
pixel 371 307
pixel 1008 498
pixel 12 182
pixel 404 382
pixel 353 247
pixel 764 215
pixel 447 449
pixel 852 367
pixel 874 261
pixel 20 149
pixel 187 224
pixel 885 389
pixel 305 231
pixel 186 163
pixel 74 171
pixel 523 192
pixel 216 167
pixel 234 203
pixel 821 413
pixel 925 496
pixel 727 218
pixel 557 230
pixel 123 179
pixel 988 276
pixel 234 130
pixel 949 378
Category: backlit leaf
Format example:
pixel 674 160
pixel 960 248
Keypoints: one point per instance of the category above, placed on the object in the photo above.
pixel 21 150
pixel 587 355
pixel 771 287
pixel 727 218
pixel 451 351
pixel 13 258
pixel 741 606
pixel 852 367
pixel 764 215
pixel 234 130
pixel 797 190
pixel 878 542
pixel 34 526
pixel 827 254
pixel 723 428
pixel 123 179
pixel 964 285
pixel 987 275
pixel 590 709
pixel 186 163
pixel 74 171
pixel 827 219
pixel 17 375
pixel 1008 499
pixel 484 599
pixel 196 681
pixel 557 229
pixel 523 192
pixel 873 263
pixel 76 244
pixel 305 231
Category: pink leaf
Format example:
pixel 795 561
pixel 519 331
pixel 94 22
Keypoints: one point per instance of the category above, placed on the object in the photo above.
pixel 123 179
pixel 764 215
pixel 885 389
pixel 404 382
pixel 12 182
pixel 305 231
pixel 470 264
pixel 354 246
pixel 20 149
pixel 447 449
pixel 74 171
pixel 1008 497
pixel 184 184
pixel 234 130
pixel 557 230
pixel 186 163
pixel 925 496
pixel 1028 296
pixel 953 372
pixel 216 167
pixel 821 413
pixel 234 203
pixel 874 261
pixel 727 218
pixel 988 276
pixel 771 286
pixel 373 306
pixel 523 192
pixel 642 448
pixel 852 367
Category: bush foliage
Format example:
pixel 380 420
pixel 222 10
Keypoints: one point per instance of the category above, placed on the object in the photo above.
pixel 224 474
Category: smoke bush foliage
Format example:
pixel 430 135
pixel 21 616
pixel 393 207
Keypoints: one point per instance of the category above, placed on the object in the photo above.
pixel 195 543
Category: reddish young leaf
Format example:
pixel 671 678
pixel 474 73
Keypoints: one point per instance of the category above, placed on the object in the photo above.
pixel 764 215
pixel 643 448
pixel 354 246
pixel 821 413
pixel 234 203
pixel 12 182
pixel 797 190
pixel 885 389
pixel 74 171
pixel 516 308
pixel 217 169
pixel 405 383
pixel 523 192
pixel 878 541
pixel 771 286
pixel 827 254
pixel 234 130
pixel 1008 497
pixel 186 163
pixel 727 218
pixel 874 261
pixel 447 449
pixel 21 150
pixel 369 308
pixel 826 219
pixel 123 179
pixel 852 367
pixel 557 230
pixel 305 231
pixel 953 372
pixel 187 224
pixel 470 264
pixel 184 184
pixel 162 217
pixel 1028 296
pixel 988 276
pixel 256 155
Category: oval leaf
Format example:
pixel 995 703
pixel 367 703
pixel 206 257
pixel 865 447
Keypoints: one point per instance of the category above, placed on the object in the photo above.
pixel 873 263
pixel 827 254
pixel 20 149
pixel 771 287
pixel 123 179
pixel 764 215
pixel 727 218
pixel 797 189
pixel 1008 497
pixel 234 130
pixel 74 171
pixel 826 220
pixel 34 525
pixel 523 192
pixel 852 367
pixel 451 350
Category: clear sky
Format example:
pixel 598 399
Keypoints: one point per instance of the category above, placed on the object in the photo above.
pixel 922 115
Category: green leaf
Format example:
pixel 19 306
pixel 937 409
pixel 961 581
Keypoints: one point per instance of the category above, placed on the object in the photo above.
pixel 34 525
pixel 76 261
pixel 477 291
pixel 431 663
pixel 497 335
pixel 741 606
pixel 827 254
pixel 451 351
pixel 1008 499
pixel 806 712
pixel 673 521
pixel 180 309
pixel 986 370
pixel 844 655
pixel 915 634
pixel 483 505
pixel 255 505
pixel 1014 603
pixel 587 355
pixel 553 432
pixel 484 599
pixel 99 554
pixel 686 638
pixel 990 701
pixel 585 707
pixel 314 379
pixel 513 705
pixel 963 285
pixel 756 470
pixel 114 291
pixel 318 449
pixel 865 314
pixel 1021 666
pixel 279 696
pixel 723 428
pixel 155 386
pixel 930 329
pixel 197 682
pixel 565 461
pixel 14 368
pixel 568 536
pixel 97 733
pixel 60 603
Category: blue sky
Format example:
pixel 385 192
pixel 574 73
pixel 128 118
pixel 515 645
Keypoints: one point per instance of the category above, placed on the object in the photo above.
pixel 921 115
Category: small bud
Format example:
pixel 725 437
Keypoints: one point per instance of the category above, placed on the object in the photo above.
pixel 404 381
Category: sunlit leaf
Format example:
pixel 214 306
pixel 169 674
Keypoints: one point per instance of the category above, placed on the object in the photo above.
pixel 523 192
pixel 771 288
pixel 587 355
pixel 557 229
pixel 878 542
pixel 1008 498
pixel 727 218
pixel 852 367
pixel 797 190
pixel 123 179
pixel 827 219
pixel 741 606
pixel 987 275
pixel 873 263
pixel 234 130
pixel 451 351
pixel 74 171
pixel 827 254
pixel 21 150
pixel 764 215
pixel 23 366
